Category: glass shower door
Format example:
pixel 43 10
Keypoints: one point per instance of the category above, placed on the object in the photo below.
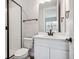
pixel 14 28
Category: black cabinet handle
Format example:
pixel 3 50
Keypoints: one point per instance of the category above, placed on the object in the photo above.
pixel 70 39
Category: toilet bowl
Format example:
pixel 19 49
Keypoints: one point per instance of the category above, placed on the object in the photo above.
pixel 23 52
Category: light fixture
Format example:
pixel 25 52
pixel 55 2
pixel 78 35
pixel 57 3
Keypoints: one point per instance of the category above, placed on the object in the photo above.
pixel 43 1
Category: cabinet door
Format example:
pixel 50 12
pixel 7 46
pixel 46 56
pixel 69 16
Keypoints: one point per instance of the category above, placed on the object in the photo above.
pixel 58 54
pixel 41 52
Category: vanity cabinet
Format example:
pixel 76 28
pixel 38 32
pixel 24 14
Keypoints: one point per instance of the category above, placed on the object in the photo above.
pixel 51 49
pixel 58 54
pixel 41 52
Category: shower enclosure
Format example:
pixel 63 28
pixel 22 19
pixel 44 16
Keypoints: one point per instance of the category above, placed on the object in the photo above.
pixel 14 27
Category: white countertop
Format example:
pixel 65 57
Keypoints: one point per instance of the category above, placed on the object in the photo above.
pixel 59 37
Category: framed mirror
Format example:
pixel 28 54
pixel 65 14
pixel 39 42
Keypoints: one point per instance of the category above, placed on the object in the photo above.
pixel 48 16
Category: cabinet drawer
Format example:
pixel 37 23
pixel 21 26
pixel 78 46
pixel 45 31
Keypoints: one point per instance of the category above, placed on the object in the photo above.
pixel 57 44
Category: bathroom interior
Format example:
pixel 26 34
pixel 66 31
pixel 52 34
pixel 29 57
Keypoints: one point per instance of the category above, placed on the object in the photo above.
pixel 39 29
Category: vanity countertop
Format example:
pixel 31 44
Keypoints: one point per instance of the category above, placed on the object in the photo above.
pixel 58 37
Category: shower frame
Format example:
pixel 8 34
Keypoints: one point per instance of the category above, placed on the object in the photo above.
pixel 7 27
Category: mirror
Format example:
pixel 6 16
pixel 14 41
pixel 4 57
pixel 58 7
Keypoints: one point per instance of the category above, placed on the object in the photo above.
pixel 48 16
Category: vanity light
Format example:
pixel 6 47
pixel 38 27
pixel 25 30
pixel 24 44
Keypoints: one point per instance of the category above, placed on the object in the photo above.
pixel 43 1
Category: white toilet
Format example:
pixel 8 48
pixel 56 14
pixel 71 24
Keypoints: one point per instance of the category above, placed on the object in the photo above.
pixel 23 52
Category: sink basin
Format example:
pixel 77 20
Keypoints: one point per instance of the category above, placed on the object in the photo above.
pixel 42 33
pixel 62 36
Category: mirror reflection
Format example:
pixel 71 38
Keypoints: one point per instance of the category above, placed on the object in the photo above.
pixel 48 16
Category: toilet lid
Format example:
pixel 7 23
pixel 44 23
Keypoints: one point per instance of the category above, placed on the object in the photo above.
pixel 21 52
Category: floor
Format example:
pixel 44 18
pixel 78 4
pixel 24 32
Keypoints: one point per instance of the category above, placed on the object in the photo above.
pixel 26 58
pixel 31 51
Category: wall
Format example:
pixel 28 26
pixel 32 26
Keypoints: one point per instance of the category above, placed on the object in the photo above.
pixel 71 18
pixel 70 27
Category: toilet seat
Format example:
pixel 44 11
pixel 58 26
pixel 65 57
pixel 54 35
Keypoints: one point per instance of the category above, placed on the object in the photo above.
pixel 21 52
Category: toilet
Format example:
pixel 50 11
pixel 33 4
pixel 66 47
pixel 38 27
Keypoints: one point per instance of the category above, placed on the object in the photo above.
pixel 24 52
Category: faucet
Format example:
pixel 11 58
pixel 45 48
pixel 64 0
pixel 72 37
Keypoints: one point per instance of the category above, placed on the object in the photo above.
pixel 50 33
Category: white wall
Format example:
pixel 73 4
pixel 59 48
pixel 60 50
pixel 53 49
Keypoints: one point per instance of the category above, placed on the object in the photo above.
pixel 70 27
pixel 30 11
pixel 71 18
pixel 30 28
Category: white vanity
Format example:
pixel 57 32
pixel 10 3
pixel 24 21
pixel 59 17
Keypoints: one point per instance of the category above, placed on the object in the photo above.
pixel 51 47
pixel 50 18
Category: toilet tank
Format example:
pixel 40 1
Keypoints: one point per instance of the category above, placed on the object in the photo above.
pixel 27 43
